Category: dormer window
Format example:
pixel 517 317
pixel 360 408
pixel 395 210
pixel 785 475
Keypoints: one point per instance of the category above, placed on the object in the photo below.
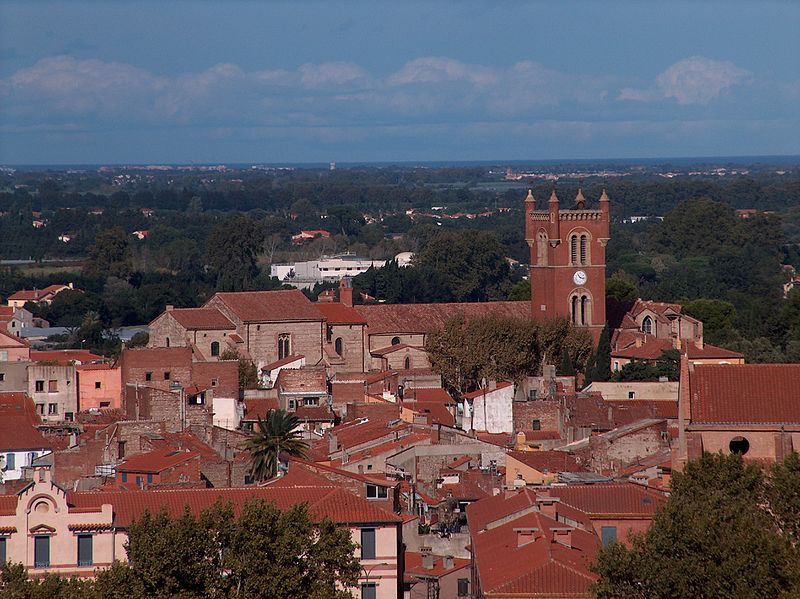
pixel 647 325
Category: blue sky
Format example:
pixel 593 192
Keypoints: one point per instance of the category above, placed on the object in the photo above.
pixel 151 82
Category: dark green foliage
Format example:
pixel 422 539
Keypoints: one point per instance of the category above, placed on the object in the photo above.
pixel 248 373
pixel 110 255
pixel 602 358
pixel 714 539
pixel 232 250
pixel 667 365
pixel 277 435
pixel 783 495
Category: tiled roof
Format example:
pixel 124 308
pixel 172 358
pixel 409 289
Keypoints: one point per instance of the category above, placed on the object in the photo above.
pixel 425 318
pixel 29 295
pixel 283 362
pixel 18 420
pixel 652 349
pixel 436 411
pixel 184 441
pixel 340 314
pixel 201 319
pixel 314 414
pixel 156 461
pixel 384 351
pixel 270 306
pixel 387 447
pixel 88 367
pixel 259 407
pixel 334 503
pixel 548 461
pixel 487 391
pixel 65 356
pixel 619 499
pixel 359 432
pixel 642 408
pixel 9 341
pixel 302 380
pixel 436 394
pixel 414 565
pixel 753 393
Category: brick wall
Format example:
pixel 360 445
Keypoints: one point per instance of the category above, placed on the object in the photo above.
pixel 149 403
pixel 226 374
pixel 548 413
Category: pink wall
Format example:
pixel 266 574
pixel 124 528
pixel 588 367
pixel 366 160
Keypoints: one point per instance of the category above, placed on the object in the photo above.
pixel 110 390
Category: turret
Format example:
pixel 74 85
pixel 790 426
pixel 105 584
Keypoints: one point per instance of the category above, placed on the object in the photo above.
pixel 580 201
pixel 555 226
pixel 605 208
pixel 529 206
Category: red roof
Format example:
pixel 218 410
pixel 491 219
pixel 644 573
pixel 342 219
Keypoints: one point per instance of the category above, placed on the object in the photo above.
pixel 436 394
pixel 617 499
pixel 425 318
pixel 331 502
pixel 739 394
pixel 18 420
pixel 414 565
pixel 393 348
pixel 156 461
pixel 201 319
pixel 436 411
pixel 9 341
pixel 487 391
pixel 270 306
pixel 156 357
pixel 282 362
pixel 652 348
pixel 259 407
pixel 548 461
pixel 65 356
pixel 340 314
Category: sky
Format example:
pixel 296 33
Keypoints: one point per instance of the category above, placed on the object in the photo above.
pixel 107 82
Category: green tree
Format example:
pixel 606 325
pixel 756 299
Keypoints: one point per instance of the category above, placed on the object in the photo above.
pixel 521 291
pixel 278 434
pixel 602 361
pixel 110 255
pixel 713 539
pixel 232 251
pixel 783 495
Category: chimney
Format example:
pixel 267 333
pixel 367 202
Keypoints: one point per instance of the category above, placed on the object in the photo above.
pixel 346 292
pixel 547 505
pixel 70 285
pixel 638 341
pixel 562 536
pixel 333 442
pixel 492 385
pixel 521 441
pixel 427 557
pixel 169 307
pixel 436 431
pixel 549 372
pixel 525 535
pixel 447 562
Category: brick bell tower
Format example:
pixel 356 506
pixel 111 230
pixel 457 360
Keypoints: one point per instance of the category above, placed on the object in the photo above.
pixel 568 261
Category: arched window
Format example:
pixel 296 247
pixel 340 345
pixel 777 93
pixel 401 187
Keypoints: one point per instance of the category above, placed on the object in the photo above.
pixel 739 445
pixel 574 309
pixel 167 341
pixel 541 249
pixel 215 348
pixel 647 325
pixel 573 249
pixel 584 250
pixel 395 340
pixel 584 310
pixel 338 346
pixel 284 346
pixel 407 363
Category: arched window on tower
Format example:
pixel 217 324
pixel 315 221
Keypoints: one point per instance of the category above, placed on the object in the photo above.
pixel 584 250
pixel 584 310
pixel 541 249
pixel 215 348
pixel 573 249
pixel 407 363
pixel 574 312
pixel 284 346
pixel 338 346
pixel 647 325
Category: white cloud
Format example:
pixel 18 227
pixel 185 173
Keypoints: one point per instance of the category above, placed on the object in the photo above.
pixel 436 69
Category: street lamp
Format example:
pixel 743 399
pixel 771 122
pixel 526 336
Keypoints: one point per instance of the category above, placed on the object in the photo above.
pixel 367 572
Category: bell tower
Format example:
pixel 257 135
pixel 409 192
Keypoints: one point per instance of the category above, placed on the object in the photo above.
pixel 568 260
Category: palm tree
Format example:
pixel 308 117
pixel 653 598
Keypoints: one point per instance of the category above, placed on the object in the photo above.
pixel 276 435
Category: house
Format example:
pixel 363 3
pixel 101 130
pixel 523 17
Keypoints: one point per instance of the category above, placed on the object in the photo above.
pixel 752 410
pixel 159 467
pixel 13 349
pixel 99 386
pixel 538 467
pixel 49 529
pixel 20 441
pixel 345 332
pixel 304 236
pixel 489 409
pixel 207 330
pixel 46 295
pixel 635 390
pixel 66 357
pixel 14 320
pixel 54 389
pixel 270 372
pixel 448 575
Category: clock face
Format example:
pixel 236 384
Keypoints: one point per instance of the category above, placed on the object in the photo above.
pixel 579 277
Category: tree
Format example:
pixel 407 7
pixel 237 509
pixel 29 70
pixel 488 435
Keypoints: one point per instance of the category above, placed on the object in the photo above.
pixel 783 495
pixel 714 538
pixel 248 373
pixel 232 250
pixel 276 435
pixel 110 255
pixel 602 361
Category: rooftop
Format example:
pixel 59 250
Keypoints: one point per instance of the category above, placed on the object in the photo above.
pixel 201 319
pixel 270 306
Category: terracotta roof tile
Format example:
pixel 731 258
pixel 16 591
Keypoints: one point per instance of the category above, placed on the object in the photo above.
pixel 18 420
pixel 487 391
pixel 156 357
pixel 156 460
pixel 283 362
pixel 65 356
pixel 259 407
pixel 436 394
pixel 624 498
pixel 270 306
pixel 340 314
pixel 414 565
pixel 424 318
pixel 201 319
pixel 548 461
pixel 752 393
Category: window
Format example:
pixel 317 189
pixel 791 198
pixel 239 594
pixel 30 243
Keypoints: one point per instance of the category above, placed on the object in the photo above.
pixel 536 425
pixel 167 375
pixel 573 249
pixel 631 394
pixel 584 250
pixel 377 492
pixel 616 364
pixel 367 543
pixel 407 363
pixel 139 481
pixel 284 346
pixel 292 404
pixel 167 340
pixel 258 327
pixel 463 587
pixel 3 558
pixel 84 550
pixel 608 535
pixel 148 376
pixel 338 346
pixel 40 408
pixel 215 348
pixel 310 401
pixel 197 400
pixel 98 385
pixel 39 386
pixel 52 408
pixel 2 376
pixel 10 462
pixel 124 477
pixel 395 340
pixel 120 450
pixel 105 404
pixel 214 382
pixel 328 333
pixel 52 386
pixel 149 478
pixel 69 416
pixel 369 590
pixel 31 459
pixel 647 325
pixel 41 552
pixel 739 445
